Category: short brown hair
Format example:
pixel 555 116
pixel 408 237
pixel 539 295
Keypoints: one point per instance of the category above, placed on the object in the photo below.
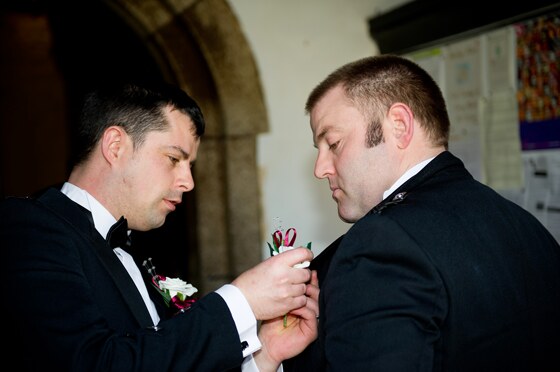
pixel 375 83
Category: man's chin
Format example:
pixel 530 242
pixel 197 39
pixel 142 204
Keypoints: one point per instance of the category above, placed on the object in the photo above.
pixel 342 215
pixel 346 216
pixel 153 225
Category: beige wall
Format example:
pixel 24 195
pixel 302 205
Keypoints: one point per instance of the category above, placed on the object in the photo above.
pixel 296 44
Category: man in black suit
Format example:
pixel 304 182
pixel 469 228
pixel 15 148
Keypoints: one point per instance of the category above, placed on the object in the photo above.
pixel 438 272
pixel 78 302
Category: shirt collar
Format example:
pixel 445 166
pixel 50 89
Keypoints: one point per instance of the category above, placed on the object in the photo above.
pixel 406 176
pixel 102 219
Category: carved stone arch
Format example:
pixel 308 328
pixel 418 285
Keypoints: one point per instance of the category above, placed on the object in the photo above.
pixel 200 46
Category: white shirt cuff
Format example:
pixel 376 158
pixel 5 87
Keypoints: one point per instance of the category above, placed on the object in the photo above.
pixel 243 317
pixel 249 365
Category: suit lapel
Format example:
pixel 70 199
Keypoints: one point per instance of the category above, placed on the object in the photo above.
pixel 80 219
pixel 157 299
pixel 124 283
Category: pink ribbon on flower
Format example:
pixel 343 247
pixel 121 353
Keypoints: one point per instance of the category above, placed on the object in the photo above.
pixel 287 240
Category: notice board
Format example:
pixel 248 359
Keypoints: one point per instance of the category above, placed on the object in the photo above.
pixel 502 89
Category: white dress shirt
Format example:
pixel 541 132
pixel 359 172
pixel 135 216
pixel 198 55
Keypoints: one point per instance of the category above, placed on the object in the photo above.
pixel 407 175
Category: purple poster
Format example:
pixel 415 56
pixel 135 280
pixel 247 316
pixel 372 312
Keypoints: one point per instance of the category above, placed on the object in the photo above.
pixel 538 73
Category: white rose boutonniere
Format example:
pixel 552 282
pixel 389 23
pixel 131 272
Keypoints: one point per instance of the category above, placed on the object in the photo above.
pixel 175 287
pixel 175 292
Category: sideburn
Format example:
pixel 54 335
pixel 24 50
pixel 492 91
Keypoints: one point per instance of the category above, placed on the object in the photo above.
pixel 374 133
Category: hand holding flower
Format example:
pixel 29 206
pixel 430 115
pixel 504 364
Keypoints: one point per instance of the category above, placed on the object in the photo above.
pixel 282 243
pixel 281 342
pixel 273 287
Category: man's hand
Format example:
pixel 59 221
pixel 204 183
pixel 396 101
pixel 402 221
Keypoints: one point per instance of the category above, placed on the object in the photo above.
pixel 274 287
pixel 280 343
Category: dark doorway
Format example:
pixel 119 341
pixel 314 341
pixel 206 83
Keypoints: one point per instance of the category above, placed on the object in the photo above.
pixel 92 44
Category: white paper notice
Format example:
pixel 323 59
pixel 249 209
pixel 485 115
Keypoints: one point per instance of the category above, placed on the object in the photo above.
pixel 503 166
pixel 463 88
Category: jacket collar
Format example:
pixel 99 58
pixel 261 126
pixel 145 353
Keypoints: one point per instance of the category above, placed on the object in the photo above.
pixel 443 162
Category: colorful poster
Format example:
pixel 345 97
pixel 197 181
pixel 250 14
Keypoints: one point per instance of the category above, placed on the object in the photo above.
pixel 538 70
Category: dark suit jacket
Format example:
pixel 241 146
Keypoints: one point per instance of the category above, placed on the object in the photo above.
pixel 69 303
pixel 443 275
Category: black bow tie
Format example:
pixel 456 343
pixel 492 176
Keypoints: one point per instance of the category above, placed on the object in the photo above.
pixel 118 237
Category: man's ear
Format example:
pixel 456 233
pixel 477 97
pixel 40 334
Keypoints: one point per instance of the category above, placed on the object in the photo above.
pixel 112 143
pixel 402 124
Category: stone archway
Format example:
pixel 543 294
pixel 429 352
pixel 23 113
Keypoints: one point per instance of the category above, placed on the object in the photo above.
pixel 200 45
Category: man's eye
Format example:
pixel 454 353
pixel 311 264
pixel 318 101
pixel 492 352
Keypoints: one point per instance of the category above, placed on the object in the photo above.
pixel 173 159
pixel 334 145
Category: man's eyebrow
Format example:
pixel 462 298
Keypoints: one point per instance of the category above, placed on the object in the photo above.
pixel 184 154
pixel 321 134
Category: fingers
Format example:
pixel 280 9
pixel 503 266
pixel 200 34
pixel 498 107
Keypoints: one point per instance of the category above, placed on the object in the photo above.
pixel 314 278
pixel 295 256
pixel 312 292
pixel 300 275
pixel 312 303
pixel 310 310
pixel 306 312
pixel 275 287
pixel 298 290
pixel 305 284
pixel 310 295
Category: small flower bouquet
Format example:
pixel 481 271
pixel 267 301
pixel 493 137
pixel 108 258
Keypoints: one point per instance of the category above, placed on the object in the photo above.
pixel 173 290
pixel 281 243
pixel 284 242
